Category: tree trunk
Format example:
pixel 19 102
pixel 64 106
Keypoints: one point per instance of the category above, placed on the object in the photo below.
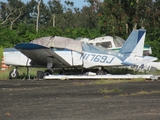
pixel 54 20
pixel 38 12
pixel 127 28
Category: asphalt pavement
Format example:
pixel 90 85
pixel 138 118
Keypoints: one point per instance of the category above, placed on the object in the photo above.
pixel 79 100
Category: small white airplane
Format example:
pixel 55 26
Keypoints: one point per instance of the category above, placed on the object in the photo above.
pixel 113 43
pixel 60 52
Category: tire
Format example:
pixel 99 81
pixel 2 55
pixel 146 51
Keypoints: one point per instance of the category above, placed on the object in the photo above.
pixel 13 75
pixel 100 72
pixel 48 72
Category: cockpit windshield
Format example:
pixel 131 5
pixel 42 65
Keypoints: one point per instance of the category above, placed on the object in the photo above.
pixel 118 41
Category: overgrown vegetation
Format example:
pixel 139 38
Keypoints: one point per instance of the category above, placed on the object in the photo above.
pixel 1 53
pixel 19 22
pixel 116 90
pixel 4 75
pixel 117 81
pixel 22 22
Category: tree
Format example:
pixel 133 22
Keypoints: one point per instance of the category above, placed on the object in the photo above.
pixel 55 8
pixel 11 11
pixel 38 13
pixel 112 18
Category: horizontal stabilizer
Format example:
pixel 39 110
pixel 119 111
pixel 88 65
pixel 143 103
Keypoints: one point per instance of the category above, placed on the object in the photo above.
pixel 139 60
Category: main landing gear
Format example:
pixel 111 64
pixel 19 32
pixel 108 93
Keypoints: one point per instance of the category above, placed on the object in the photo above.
pixel 98 71
pixel 48 72
pixel 102 71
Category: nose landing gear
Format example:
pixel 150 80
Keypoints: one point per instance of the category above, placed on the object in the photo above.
pixel 13 74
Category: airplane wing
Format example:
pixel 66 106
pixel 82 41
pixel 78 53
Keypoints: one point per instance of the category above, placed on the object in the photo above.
pixel 41 55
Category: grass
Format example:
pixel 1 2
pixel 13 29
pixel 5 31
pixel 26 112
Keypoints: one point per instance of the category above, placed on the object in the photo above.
pixel 33 73
pixel 22 73
pixel 120 92
pixel 118 81
pixel 4 75
pixel 1 53
pixel 141 92
pixel 111 91
pixel 144 93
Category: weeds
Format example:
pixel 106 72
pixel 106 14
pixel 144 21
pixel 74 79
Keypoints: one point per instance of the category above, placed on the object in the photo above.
pixel 22 73
pixel 111 91
pixel 144 93
pixel 109 81
pixel 33 72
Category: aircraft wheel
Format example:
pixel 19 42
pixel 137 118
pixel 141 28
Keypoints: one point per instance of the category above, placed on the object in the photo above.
pixel 48 72
pixel 100 72
pixel 13 74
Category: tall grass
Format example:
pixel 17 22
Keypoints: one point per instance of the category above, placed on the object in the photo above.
pixel 1 52
pixel 4 75
pixel 33 71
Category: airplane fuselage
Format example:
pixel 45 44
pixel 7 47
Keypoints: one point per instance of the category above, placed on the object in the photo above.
pixel 88 60
pixel 60 58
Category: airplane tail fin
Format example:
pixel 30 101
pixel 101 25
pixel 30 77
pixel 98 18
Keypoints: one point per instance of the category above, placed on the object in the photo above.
pixel 134 43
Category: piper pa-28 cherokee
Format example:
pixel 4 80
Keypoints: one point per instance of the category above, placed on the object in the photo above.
pixel 60 52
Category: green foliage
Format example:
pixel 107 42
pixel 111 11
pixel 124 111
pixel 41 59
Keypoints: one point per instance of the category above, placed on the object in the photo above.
pixel 110 17
pixel 81 32
pixel 22 73
pixel 50 31
pixel 1 52
pixel 8 37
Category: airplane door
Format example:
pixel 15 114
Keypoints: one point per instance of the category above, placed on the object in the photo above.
pixel 76 58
